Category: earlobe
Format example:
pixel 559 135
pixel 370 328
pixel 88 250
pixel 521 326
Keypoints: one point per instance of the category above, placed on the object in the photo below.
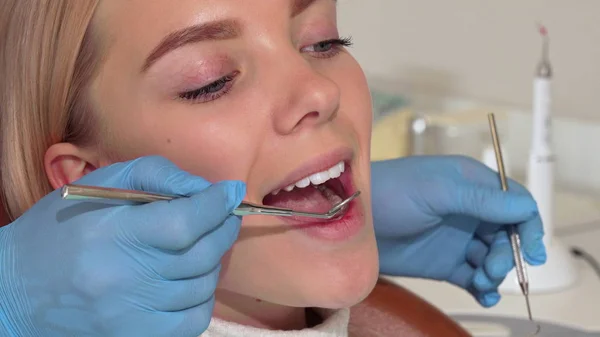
pixel 66 163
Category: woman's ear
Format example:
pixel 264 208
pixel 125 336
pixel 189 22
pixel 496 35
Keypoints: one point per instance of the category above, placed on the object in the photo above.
pixel 65 163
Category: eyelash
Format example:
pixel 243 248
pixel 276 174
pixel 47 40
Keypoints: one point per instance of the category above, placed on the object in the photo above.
pixel 223 85
pixel 335 45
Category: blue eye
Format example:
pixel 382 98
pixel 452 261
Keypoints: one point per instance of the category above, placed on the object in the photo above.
pixel 211 91
pixel 328 48
pixel 323 46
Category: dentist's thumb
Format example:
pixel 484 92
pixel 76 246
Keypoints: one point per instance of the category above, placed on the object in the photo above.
pixel 492 204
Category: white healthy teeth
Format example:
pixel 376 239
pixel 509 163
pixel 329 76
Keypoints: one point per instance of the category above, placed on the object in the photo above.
pixel 317 178
pixel 335 172
pixel 320 177
pixel 303 183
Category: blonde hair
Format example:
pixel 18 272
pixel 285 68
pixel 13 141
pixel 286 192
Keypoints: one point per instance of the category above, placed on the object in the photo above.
pixel 47 60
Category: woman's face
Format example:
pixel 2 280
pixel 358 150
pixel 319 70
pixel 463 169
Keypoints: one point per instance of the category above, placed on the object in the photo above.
pixel 259 91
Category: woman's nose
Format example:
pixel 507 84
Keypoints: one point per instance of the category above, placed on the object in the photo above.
pixel 312 99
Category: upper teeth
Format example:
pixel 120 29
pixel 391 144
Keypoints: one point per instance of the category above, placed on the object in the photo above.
pixel 318 178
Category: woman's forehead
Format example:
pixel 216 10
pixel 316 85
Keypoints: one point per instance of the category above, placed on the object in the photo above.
pixel 164 10
pixel 150 29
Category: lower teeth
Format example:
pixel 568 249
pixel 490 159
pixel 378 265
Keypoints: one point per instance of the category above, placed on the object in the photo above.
pixel 329 194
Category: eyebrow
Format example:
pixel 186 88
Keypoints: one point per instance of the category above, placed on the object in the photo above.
pixel 211 31
pixel 299 6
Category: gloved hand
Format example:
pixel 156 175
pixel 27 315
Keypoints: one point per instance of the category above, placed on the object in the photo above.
pixel 76 268
pixel 443 218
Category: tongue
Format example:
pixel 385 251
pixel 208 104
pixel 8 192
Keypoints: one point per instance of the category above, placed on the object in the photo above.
pixel 308 199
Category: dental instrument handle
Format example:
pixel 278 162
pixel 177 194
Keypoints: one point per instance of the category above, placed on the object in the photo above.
pixel 513 235
pixel 520 268
pixel 80 192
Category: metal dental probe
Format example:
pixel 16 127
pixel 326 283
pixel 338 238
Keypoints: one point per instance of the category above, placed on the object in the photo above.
pixel 514 236
pixel 81 192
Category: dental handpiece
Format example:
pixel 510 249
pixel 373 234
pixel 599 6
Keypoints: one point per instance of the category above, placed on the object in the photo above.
pixel 515 242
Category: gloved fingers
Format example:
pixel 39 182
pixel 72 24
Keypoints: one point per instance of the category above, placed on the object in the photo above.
pixel 160 175
pixel 178 224
pixel 478 173
pixel 202 257
pixel 462 276
pixel 499 261
pixel 497 265
pixel 483 283
pixel 172 296
pixel 191 322
pixel 151 174
pixel 488 237
pixel 531 234
pixel 493 205
pixel 476 252
pixel 486 299
pixel 489 299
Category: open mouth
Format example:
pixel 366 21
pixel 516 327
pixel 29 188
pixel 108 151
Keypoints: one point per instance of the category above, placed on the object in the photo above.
pixel 318 192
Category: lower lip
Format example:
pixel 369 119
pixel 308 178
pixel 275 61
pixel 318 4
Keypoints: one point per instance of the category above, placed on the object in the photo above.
pixel 341 229
pixel 344 228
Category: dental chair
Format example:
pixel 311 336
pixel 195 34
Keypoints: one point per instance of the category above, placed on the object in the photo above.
pixel 393 311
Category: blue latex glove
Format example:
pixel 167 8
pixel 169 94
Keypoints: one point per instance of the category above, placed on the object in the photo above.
pixel 74 268
pixel 443 218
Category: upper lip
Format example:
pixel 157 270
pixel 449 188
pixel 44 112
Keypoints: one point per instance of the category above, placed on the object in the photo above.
pixel 317 164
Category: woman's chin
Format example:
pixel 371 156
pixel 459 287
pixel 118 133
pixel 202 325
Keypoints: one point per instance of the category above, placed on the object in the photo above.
pixel 342 296
pixel 347 283
pixel 301 272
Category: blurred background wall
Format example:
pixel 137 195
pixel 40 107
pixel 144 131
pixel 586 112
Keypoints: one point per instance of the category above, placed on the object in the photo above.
pixel 486 50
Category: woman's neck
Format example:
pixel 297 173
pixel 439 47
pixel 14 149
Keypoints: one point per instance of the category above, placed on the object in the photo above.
pixel 248 311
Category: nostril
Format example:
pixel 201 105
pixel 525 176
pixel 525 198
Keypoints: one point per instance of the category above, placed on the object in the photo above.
pixel 312 115
pixel 310 118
